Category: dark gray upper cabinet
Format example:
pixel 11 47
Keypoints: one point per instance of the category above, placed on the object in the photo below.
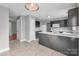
pixel 63 23
pixel 78 18
pixel 73 17
pixel 37 23
pixel 48 27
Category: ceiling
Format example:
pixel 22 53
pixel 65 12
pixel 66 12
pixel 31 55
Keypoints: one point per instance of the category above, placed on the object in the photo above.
pixel 54 10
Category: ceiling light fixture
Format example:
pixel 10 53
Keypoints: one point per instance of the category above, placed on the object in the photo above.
pixel 32 6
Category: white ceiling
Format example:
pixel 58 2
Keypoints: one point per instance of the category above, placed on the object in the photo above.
pixel 54 10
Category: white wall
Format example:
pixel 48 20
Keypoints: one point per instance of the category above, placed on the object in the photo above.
pixel 4 28
pixel 32 28
pixel 23 28
pixel 18 29
pixel 10 28
pixel 26 28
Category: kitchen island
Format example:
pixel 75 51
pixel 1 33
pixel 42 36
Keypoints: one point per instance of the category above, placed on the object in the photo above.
pixel 65 43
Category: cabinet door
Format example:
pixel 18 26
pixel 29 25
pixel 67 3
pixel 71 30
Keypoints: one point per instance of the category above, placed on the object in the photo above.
pixel 73 17
pixel 48 27
pixel 37 23
pixel 74 46
pixel 78 17
pixel 65 23
pixel 62 23
pixel 44 40
pixel 60 43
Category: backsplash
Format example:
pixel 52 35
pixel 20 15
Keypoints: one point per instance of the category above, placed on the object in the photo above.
pixel 61 29
pixel 66 29
pixel 76 30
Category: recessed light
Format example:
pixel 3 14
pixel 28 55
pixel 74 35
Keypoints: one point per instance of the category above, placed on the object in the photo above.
pixel 48 16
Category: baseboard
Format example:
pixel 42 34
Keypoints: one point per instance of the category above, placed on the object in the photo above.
pixel 28 41
pixel 23 40
pixel 34 39
pixel 4 50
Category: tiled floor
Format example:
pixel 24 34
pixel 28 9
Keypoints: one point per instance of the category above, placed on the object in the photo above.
pixel 29 49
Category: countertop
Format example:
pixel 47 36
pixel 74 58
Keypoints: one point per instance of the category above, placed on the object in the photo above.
pixel 61 34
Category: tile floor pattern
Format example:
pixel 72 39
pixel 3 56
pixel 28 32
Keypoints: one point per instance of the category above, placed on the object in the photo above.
pixel 29 49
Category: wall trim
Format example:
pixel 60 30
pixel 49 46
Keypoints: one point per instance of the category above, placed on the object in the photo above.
pixel 4 50
pixel 28 40
pixel 23 40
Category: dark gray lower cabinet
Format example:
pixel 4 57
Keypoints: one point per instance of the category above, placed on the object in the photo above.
pixel 65 45
pixel 37 34
pixel 43 39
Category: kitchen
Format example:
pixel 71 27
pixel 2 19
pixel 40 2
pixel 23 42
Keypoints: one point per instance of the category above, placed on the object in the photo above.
pixel 62 35
pixel 52 29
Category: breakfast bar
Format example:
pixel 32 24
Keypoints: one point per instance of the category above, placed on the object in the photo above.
pixel 66 43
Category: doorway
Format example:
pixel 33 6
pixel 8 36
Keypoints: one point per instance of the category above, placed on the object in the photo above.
pixel 12 31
